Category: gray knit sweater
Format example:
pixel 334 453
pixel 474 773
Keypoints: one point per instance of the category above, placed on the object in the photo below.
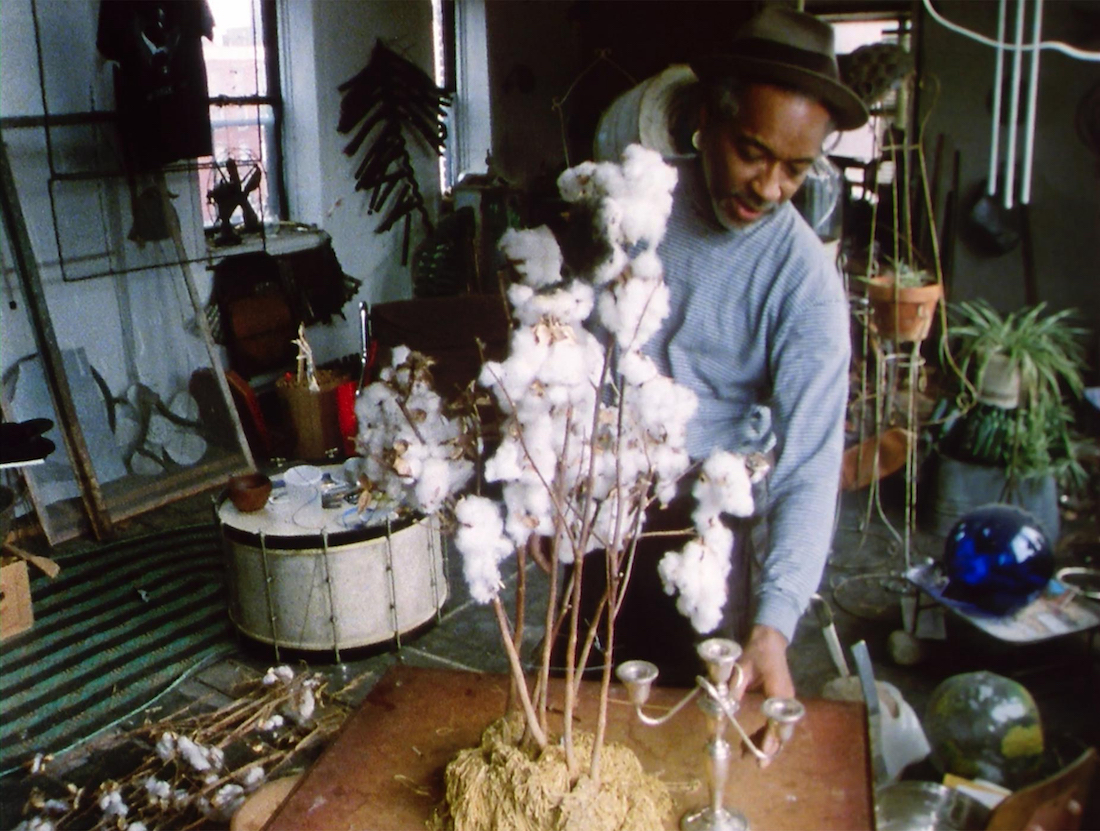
pixel 759 317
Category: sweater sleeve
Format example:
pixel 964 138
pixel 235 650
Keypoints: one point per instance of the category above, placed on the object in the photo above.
pixel 809 370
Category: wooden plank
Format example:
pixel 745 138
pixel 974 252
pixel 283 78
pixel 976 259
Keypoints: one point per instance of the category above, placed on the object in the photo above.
pixel 385 769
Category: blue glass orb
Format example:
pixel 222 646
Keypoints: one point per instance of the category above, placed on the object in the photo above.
pixel 997 558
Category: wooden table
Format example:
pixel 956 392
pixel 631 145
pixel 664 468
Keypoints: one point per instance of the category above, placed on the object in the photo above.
pixel 385 769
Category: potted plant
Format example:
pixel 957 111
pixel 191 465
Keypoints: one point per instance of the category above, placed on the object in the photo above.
pixel 903 301
pixel 1007 436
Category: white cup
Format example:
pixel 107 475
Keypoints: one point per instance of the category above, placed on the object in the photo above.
pixel 301 503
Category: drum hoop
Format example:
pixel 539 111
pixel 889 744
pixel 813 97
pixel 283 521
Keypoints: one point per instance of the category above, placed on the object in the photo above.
pixel 315 539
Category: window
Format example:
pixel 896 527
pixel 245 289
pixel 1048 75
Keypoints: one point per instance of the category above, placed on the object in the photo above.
pixel 245 108
pixel 462 66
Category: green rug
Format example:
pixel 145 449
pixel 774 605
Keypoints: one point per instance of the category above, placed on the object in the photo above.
pixel 115 628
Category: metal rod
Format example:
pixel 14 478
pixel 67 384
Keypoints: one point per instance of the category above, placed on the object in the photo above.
pixel 267 594
pixel 998 81
pixel 1032 105
pixel 331 600
pixel 1014 106
pixel 393 585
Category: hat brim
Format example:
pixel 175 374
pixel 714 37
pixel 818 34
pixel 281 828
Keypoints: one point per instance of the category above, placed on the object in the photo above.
pixel 846 108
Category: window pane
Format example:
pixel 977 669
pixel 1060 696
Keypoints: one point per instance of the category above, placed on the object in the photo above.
pixel 246 134
pixel 235 58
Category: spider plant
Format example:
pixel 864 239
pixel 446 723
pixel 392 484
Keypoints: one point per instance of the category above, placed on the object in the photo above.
pixel 1035 437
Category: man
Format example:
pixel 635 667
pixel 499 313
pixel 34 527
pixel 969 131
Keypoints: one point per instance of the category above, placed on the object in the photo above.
pixel 758 330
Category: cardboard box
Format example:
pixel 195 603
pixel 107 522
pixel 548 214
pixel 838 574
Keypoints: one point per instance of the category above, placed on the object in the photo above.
pixel 16 614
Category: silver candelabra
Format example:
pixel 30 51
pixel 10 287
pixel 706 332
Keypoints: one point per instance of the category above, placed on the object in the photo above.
pixel 720 656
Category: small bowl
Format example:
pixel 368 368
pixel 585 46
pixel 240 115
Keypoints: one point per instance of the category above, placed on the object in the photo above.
pixel 249 491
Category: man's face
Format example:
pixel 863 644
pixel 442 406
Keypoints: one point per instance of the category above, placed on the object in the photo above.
pixel 757 160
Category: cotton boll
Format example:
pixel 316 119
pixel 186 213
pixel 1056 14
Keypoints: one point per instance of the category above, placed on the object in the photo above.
pixel 227 801
pixel 633 311
pixel 166 746
pixel 610 268
pixel 534 254
pixel 276 675
pixel 438 479
pixel 136 826
pixel 194 754
pixel 567 364
pixel 481 541
pixel 579 182
pixel 724 486
pixel 650 183
pixel 157 789
pixel 269 724
pixel 637 368
pixel 647 266
pixel 699 575
pixel 252 777
pixel 112 805
pixel 35 823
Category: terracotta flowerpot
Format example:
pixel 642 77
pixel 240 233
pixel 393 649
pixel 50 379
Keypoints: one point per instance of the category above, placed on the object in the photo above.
pixel 902 313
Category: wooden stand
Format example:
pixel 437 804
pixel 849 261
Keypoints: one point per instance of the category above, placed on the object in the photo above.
pixel 385 769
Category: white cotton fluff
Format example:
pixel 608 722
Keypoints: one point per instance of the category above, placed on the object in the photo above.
pixel 113 805
pixel 157 789
pixel 569 305
pixel 588 181
pixel 56 807
pixel 663 408
pixel 534 254
pixel 528 511
pixel 566 364
pixel 637 368
pixel 166 746
pixel 136 826
pixel 439 478
pixel 181 798
pixel 35 823
pixel 698 573
pixel 226 802
pixel 251 777
pixel 302 703
pixel 196 755
pixel 273 723
pixel 38 763
pixel 634 310
pixel 481 541
pixel 280 674
pixel 723 487
pixel 647 202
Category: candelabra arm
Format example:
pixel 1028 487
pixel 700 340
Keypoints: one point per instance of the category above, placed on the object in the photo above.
pixel 656 721
pixel 723 702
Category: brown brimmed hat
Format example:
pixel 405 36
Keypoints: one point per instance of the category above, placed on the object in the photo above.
pixel 792 49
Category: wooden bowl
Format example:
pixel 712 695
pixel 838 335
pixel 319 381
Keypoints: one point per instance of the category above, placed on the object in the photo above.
pixel 249 491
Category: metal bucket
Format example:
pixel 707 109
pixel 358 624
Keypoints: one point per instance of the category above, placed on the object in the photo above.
pixel 330 591
pixel 927 806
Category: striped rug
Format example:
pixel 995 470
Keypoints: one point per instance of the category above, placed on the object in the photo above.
pixel 117 626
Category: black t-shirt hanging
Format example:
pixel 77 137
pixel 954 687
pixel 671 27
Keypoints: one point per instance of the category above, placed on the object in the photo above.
pixel 160 81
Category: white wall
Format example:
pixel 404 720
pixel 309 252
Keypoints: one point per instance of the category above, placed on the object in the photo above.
pixel 339 46
pixel 325 42
pixel 1065 203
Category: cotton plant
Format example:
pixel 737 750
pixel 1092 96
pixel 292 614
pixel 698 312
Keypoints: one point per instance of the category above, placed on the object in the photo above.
pixel 412 453
pixel 592 432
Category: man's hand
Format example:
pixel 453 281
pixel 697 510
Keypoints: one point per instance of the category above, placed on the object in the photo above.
pixel 764 667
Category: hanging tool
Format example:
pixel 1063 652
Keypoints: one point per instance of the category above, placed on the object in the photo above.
pixel 368 346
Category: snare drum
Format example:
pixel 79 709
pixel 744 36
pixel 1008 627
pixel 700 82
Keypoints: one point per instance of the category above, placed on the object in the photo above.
pixel 311 577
